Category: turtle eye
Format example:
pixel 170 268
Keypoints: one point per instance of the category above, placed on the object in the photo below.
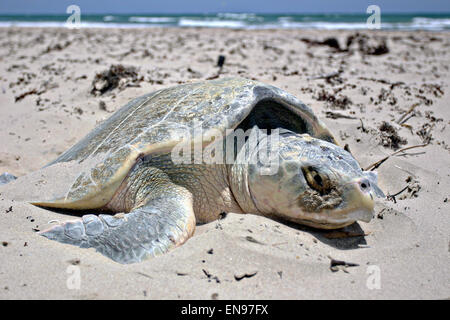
pixel 316 180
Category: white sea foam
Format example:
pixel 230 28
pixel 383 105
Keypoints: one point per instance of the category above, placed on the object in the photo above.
pixel 428 23
pixel 237 20
pixel 152 19
pixel 52 24
pixel 240 16
pixel 186 22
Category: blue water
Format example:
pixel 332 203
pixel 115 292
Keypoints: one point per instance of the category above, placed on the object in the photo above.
pixel 433 22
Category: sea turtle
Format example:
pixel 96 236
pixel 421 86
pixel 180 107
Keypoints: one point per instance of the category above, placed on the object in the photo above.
pixel 138 165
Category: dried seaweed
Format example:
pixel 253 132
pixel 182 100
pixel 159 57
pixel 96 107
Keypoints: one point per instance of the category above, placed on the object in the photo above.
pixel 116 76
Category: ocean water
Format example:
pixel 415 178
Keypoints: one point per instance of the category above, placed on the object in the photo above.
pixel 418 21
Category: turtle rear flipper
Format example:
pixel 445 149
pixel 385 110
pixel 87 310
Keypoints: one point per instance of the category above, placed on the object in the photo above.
pixel 146 231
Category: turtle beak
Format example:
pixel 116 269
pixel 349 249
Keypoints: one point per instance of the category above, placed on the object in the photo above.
pixel 361 196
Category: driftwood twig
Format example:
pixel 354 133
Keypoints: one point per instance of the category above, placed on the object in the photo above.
pixel 403 118
pixel 392 196
pixel 375 165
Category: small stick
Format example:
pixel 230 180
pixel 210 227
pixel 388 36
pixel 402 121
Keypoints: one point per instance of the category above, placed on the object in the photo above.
pixel 392 197
pixel 408 126
pixel 411 154
pixel 379 162
pixel 327 76
pixel 402 118
pixel 363 129
pixel 336 115
pixel 407 118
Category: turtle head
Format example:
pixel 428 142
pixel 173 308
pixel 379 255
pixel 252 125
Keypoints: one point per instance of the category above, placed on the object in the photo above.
pixel 317 184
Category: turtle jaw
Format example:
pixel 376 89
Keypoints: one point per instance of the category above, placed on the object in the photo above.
pixel 357 204
pixel 334 219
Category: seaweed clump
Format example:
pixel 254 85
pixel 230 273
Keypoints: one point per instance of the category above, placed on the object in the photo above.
pixel 116 76
pixel 389 136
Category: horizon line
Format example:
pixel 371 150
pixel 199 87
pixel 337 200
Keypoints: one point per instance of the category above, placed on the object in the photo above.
pixel 231 12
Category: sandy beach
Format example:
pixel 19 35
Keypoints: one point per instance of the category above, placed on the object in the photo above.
pixel 378 92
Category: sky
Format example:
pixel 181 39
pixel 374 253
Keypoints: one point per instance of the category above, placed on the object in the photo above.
pixel 214 6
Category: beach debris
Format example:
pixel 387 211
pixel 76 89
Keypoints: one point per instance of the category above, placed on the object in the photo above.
pixel 429 116
pixel 392 198
pixel 367 45
pixel 144 274
pixel 383 81
pixel 117 76
pixel 105 107
pixel 276 50
pixel 334 101
pixel 362 42
pixel 24 79
pixel 220 61
pixel 412 188
pixel 386 95
pixel 389 136
pixel 329 42
pixel 45 86
pixel 432 88
pixel 27 93
pixel 332 78
pixel 336 265
pixel 240 276
pixel 425 132
pixel 253 240
pixel 78 110
pixel 380 215
pixel 193 74
pixel 337 115
pixel 332 43
pixel 10 209
pixel 56 47
pixel 102 105
pixel 210 276
pixel 362 127
pixel 375 165
pixel 408 114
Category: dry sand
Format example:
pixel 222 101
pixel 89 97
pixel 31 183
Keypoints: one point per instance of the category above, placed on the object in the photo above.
pixel 46 105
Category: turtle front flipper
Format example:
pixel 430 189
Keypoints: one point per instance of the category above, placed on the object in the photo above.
pixel 149 230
